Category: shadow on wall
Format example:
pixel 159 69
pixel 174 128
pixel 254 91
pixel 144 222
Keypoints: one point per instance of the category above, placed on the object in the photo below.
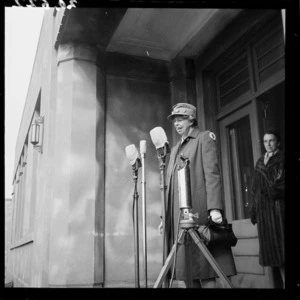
pixel 133 109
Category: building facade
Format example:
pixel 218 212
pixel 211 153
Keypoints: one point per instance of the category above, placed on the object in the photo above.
pixel 8 214
pixel 102 79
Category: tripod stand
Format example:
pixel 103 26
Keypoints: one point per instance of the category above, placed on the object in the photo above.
pixel 188 227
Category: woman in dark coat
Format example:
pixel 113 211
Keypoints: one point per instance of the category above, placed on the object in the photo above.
pixel 200 149
pixel 268 202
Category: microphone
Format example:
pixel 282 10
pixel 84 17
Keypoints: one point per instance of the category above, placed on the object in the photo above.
pixel 133 156
pixel 160 141
pixel 143 147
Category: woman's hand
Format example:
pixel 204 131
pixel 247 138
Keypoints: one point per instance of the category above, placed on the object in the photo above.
pixel 216 216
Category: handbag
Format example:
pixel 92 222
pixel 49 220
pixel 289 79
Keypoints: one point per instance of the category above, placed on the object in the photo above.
pixel 217 233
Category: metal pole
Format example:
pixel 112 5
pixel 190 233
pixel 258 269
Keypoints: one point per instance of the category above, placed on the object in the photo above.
pixel 136 232
pixel 163 199
pixel 144 217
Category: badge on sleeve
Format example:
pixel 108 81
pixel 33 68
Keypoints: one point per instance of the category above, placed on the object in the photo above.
pixel 212 135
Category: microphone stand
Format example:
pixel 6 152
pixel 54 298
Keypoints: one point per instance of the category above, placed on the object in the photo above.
pixel 161 154
pixel 144 217
pixel 136 228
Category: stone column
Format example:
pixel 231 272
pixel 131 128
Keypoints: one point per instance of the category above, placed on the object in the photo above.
pixel 182 82
pixel 76 237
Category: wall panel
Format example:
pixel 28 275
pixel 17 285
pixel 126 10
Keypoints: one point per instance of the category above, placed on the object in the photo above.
pixel 134 107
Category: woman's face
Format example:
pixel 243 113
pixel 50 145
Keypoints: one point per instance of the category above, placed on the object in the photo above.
pixel 270 142
pixel 182 125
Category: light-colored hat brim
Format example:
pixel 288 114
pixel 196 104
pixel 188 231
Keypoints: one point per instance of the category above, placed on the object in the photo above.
pixel 171 116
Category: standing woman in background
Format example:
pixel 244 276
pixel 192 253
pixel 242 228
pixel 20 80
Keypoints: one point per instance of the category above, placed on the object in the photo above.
pixel 268 193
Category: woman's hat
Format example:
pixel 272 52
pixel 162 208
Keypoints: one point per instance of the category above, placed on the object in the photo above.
pixel 183 109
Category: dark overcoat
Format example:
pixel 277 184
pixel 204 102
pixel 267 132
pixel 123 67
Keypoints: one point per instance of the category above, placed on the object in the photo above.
pixel 200 148
pixel 268 192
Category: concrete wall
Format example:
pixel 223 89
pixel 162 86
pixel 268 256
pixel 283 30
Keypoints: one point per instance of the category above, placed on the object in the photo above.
pixel 28 258
pixel 72 217
pixel 97 116
pixel 134 107
pixel 8 224
pixel 94 105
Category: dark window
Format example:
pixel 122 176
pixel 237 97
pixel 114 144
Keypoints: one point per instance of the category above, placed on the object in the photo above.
pixel 234 81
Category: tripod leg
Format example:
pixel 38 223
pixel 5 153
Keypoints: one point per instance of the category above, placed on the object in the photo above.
pixel 167 264
pixel 210 258
pixel 188 257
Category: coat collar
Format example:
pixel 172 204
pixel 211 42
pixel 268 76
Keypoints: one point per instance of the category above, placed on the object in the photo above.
pixel 269 154
pixel 193 134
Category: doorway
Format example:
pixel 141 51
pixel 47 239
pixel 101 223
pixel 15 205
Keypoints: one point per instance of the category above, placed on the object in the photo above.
pixel 238 135
pixel 241 158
